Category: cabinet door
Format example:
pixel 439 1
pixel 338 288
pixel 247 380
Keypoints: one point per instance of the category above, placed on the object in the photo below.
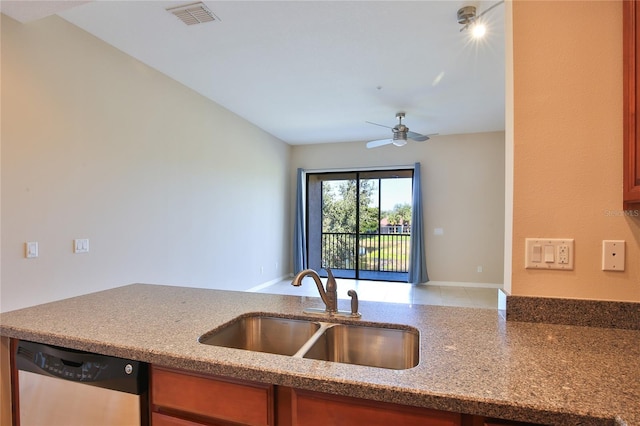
pixel 204 399
pixel 319 409
pixel 631 88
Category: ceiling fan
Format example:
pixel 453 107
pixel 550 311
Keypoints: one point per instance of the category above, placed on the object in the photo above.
pixel 401 134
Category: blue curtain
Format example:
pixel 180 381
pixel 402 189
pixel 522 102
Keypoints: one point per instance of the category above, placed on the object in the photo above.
pixel 299 234
pixel 417 256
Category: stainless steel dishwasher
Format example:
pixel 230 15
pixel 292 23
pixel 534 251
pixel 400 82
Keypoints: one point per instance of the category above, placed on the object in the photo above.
pixel 59 386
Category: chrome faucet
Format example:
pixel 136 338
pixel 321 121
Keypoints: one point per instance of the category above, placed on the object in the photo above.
pixel 330 296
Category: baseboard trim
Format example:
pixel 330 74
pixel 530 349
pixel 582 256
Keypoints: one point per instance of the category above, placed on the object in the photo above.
pixel 462 284
pixel 267 284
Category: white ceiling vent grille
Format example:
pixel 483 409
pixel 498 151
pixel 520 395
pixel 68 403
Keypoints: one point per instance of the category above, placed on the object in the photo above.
pixel 194 13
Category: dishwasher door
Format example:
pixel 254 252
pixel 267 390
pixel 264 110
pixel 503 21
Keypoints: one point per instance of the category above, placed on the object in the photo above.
pixel 58 386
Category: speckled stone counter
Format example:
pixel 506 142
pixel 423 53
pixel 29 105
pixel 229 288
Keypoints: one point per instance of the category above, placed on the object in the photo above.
pixel 471 360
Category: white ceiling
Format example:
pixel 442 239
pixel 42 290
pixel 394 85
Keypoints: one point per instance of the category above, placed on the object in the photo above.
pixel 315 71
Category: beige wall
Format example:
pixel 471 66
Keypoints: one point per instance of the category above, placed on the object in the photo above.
pixel 463 191
pixel 568 146
pixel 168 186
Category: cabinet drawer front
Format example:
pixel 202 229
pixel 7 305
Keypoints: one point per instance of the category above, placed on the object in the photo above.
pixel 311 409
pixel 158 419
pixel 215 398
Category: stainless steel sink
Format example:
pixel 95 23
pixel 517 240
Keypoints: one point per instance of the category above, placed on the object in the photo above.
pixel 381 346
pixel 392 348
pixel 259 333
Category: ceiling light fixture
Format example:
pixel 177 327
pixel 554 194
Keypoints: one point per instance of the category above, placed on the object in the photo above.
pixel 479 30
pixel 194 13
pixel 469 19
pixel 400 138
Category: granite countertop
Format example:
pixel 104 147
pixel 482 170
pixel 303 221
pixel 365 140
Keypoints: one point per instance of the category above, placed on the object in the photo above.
pixel 471 360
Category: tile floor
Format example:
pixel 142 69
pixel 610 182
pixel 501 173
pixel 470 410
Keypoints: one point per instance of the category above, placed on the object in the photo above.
pixel 394 292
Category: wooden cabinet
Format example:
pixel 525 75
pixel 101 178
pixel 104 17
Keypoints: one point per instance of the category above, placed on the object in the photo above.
pixel 631 87
pixel 319 409
pixel 180 398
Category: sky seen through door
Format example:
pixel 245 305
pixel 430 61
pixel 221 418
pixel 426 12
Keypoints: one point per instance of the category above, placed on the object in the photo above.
pixel 394 191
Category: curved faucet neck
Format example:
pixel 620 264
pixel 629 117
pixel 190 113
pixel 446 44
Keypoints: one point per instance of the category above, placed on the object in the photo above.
pixel 330 296
pixel 297 281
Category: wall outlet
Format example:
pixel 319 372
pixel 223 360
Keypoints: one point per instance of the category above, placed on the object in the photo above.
pixel 563 254
pixel 613 255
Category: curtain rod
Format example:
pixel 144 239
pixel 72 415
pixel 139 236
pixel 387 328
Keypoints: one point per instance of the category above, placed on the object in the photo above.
pixel 361 169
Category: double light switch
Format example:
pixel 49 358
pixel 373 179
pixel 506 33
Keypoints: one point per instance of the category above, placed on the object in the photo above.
pixel 81 245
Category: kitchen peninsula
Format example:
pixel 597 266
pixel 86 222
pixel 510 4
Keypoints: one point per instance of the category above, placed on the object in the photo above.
pixel 472 361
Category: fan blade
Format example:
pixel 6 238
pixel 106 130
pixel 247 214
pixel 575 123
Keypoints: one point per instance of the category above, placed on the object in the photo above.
pixel 376 124
pixel 492 6
pixel 418 137
pixel 379 142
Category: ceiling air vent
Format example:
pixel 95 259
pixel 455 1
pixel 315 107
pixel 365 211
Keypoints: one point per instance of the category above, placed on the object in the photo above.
pixel 194 13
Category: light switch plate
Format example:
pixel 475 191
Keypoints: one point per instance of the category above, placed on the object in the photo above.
pixel 613 255
pixel 549 253
pixel 81 245
pixel 31 249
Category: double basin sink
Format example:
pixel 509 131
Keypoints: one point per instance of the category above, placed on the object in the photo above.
pixel 380 345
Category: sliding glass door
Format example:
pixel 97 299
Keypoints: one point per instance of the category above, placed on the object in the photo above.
pixel 359 223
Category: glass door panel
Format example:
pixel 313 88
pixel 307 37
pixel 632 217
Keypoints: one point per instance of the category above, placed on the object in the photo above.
pixel 359 223
pixel 339 224
pixel 369 225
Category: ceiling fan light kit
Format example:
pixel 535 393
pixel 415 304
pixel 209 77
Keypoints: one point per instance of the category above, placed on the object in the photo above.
pixel 466 14
pixel 468 17
pixel 398 140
